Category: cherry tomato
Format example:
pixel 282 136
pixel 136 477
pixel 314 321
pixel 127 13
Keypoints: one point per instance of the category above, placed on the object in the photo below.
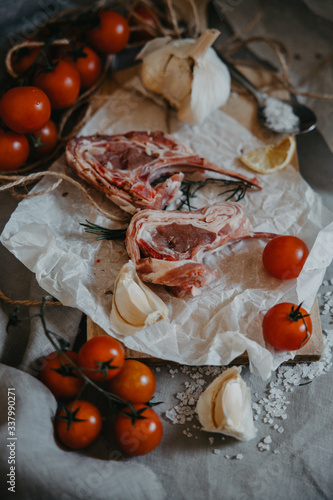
pixel 47 137
pixel 14 150
pixel 148 17
pixel 287 327
pixel 25 109
pixel 284 257
pixel 61 85
pixel 140 437
pixel 101 358
pixel 60 376
pixel 78 424
pixel 23 59
pixel 112 34
pixel 135 382
pixel 89 67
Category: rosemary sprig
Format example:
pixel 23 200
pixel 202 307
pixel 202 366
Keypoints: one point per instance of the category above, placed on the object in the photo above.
pixel 237 189
pixel 104 233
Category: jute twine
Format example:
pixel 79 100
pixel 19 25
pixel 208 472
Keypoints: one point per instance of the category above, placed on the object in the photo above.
pixel 229 47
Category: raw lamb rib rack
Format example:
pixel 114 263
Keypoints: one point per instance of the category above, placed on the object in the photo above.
pixel 138 170
pixel 168 247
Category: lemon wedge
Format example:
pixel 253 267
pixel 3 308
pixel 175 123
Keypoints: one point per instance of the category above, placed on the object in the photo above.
pixel 271 158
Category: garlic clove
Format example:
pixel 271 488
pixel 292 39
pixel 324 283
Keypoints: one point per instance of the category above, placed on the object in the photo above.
pixel 175 90
pixel 225 406
pixel 135 306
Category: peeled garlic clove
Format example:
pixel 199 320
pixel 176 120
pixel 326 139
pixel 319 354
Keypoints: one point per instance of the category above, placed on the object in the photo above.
pixel 135 306
pixel 225 406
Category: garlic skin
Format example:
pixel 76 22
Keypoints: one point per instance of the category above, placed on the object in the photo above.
pixel 225 406
pixel 188 74
pixel 134 306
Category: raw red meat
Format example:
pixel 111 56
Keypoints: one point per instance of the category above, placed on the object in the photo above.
pixel 168 247
pixel 138 170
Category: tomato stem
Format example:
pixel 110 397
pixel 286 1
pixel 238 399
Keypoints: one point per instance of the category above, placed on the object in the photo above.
pixel 296 315
pixel 59 349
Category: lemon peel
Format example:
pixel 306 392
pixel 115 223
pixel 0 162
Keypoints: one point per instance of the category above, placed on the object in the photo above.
pixel 271 158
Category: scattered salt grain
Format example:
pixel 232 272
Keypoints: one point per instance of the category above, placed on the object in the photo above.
pixel 267 440
pixel 157 369
pixel 239 456
pixel 217 452
pixel 211 440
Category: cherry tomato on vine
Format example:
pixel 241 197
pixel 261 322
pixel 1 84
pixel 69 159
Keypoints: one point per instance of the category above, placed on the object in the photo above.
pixel 24 58
pixel 287 327
pixel 61 85
pixel 284 257
pixel 78 424
pixel 45 139
pixel 25 109
pixel 135 382
pixel 101 358
pixel 14 150
pixel 89 67
pixel 142 436
pixel 60 376
pixel 112 34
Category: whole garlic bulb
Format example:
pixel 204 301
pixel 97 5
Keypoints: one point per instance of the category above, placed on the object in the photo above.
pixel 188 74
pixel 225 406
pixel 135 306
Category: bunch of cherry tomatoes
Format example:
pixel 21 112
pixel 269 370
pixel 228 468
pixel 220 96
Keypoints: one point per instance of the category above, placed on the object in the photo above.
pixel 127 383
pixel 50 78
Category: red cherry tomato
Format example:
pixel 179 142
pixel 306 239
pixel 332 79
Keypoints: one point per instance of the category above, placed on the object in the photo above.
pixel 287 327
pixel 61 85
pixel 14 150
pixel 140 437
pixel 47 137
pixel 23 59
pixel 135 382
pixel 78 424
pixel 101 358
pixel 25 109
pixel 112 34
pixel 148 17
pixel 284 257
pixel 89 67
pixel 60 376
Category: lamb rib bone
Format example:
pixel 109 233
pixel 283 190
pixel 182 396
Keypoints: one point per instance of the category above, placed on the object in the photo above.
pixel 130 169
pixel 168 247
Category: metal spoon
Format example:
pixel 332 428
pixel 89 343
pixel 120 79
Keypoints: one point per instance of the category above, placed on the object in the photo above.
pixel 304 119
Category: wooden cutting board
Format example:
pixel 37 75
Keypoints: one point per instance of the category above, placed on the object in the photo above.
pixel 312 351
pixel 243 108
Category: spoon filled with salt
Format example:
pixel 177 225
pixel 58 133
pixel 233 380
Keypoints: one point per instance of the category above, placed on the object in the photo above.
pixel 274 114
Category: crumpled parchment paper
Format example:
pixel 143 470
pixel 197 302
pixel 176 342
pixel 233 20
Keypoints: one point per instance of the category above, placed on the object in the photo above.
pixel 225 320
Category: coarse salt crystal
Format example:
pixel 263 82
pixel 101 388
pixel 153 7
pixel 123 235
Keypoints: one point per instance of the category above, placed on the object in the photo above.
pixel 279 115
pixel 217 452
pixel 239 456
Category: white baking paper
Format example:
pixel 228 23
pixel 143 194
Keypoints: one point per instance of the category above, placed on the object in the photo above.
pixel 225 320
